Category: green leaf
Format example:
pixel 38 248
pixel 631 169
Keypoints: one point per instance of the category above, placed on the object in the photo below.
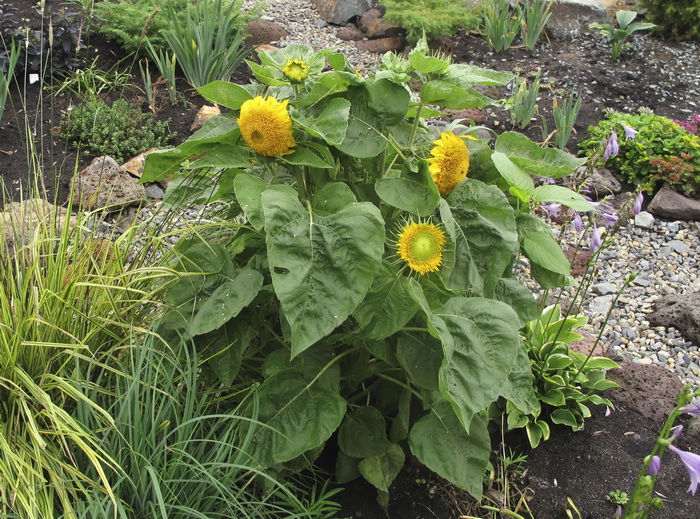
pixel 223 348
pixel 346 468
pixel 481 224
pixel 426 64
pixel 562 195
pixel 553 397
pixel 624 18
pixel 480 341
pixel 388 305
pixel 538 244
pixel 514 293
pixel 534 159
pixel 519 387
pixel 293 417
pixel 225 94
pixel 468 75
pixel 420 355
pixel 249 190
pixel 414 192
pixel 601 363
pixel 441 443
pixel 564 417
pixel 514 175
pixel 363 433
pixel 304 157
pixel 447 95
pixel 333 197
pixel 322 266
pixel 226 301
pixel 224 156
pixel 331 124
pixel 381 470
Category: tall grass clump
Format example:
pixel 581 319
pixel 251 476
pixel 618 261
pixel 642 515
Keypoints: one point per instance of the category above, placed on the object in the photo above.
pixel 7 71
pixel 65 297
pixel 180 444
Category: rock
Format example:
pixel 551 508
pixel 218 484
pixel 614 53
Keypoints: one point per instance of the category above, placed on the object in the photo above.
pixel 650 390
pixel 382 45
pixel 603 183
pixel 154 191
pixel 372 23
pixel 105 184
pixel 135 164
pixel 264 31
pixel 349 33
pixel 644 220
pixel 601 304
pixel 679 247
pixel 21 219
pixel 586 344
pixel 573 16
pixel 203 115
pixel 604 289
pixel 340 12
pixel 681 312
pixel 579 259
pixel 470 114
pixel 674 206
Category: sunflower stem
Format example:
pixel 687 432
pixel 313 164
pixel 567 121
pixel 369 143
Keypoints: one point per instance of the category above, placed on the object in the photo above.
pixel 414 128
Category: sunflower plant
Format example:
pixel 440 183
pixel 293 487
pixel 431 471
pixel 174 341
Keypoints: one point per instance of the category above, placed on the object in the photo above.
pixel 367 285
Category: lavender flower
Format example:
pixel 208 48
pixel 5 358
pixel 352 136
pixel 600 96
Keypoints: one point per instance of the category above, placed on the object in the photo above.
pixel 608 213
pixel 692 408
pixel 692 465
pixel 654 466
pixel 596 240
pixel 638 202
pixel 576 221
pixel 551 209
pixel 676 431
pixel 611 147
pixel 630 133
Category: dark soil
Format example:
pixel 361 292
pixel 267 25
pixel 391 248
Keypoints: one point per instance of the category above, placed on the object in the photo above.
pixel 584 466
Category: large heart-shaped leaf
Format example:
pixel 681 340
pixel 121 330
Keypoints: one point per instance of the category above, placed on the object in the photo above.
pixel 538 244
pixel 294 417
pixel 321 265
pixel 382 469
pixel 536 160
pixel 412 191
pixel 481 224
pixel 363 433
pixel 442 444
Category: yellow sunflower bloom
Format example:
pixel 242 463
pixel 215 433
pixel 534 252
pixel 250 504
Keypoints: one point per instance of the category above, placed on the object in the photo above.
pixel 449 162
pixel 420 246
pixel 296 70
pixel 266 126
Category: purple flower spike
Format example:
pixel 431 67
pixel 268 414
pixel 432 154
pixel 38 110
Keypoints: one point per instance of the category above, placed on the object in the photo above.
pixel 654 466
pixel 693 407
pixel 611 148
pixel 630 133
pixel 692 465
pixel 551 209
pixel 609 218
pixel 618 513
pixel 577 221
pixel 596 240
pixel 638 202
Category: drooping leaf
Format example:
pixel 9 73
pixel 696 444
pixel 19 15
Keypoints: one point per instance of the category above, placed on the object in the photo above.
pixel 304 157
pixel 520 298
pixel 481 224
pixel 249 190
pixel 509 170
pixel 442 444
pixel 363 433
pixel 519 386
pixel 411 191
pixel 224 93
pixel 420 355
pixel 562 195
pixel 538 244
pixel 382 469
pixel 321 265
pixel 469 74
pixel 447 95
pixel 294 417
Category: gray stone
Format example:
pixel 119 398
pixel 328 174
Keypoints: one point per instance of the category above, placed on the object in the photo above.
pixel 681 312
pixel 674 206
pixel 154 191
pixel 642 282
pixel 105 184
pixel 603 289
pixel 644 220
pixel 574 16
pixel 340 12
pixel 601 304
pixel 679 246
pixel 603 183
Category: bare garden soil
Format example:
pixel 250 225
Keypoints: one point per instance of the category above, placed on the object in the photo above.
pixel 584 466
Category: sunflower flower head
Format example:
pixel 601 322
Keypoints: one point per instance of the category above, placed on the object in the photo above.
pixel 449 162
pixel 420 246
pixel 296 70
pixel 266 126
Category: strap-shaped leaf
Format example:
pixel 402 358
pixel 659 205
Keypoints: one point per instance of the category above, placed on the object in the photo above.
pixel 322 266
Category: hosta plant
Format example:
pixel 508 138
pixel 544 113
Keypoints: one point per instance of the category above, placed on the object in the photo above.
pixel 367 286
pixel 566 382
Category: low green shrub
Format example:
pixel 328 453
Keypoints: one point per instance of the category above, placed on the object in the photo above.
pixel 435 18
pixel 662 152
pixel 120 130
pixel 676 19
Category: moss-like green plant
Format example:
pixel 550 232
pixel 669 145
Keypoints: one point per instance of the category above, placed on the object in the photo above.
pixel 661 152
pixel 435 18
pixel 120 130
